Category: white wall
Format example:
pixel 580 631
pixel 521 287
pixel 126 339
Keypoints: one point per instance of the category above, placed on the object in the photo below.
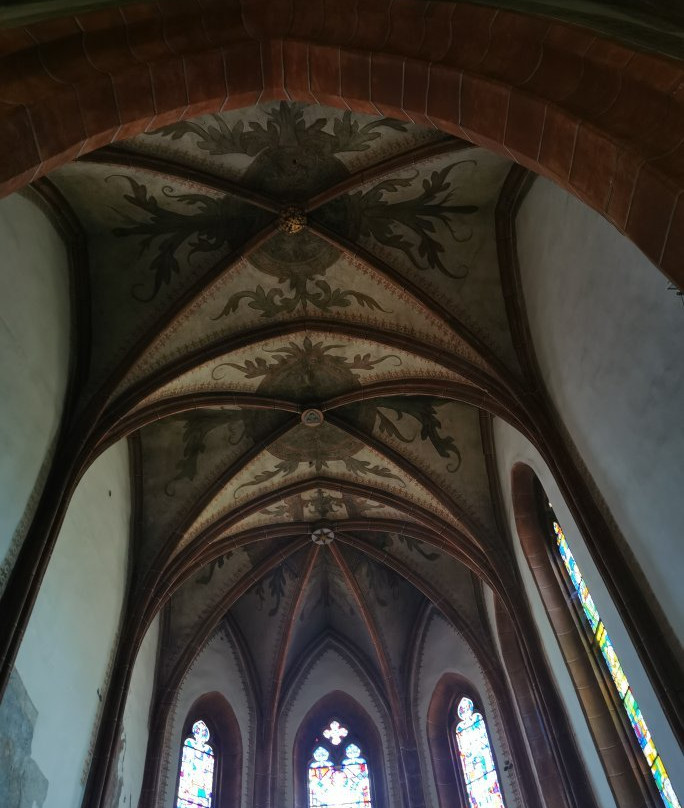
pixel 34 361
pixel 443 650
pixel 608 336
pixel 132 747
pixel 69 642
pixel 511 448
pixel 332 670
pixel 216 668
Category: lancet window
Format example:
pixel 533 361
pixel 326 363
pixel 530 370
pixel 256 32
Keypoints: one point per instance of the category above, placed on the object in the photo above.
pixel 477 761
pixel 338 772
pixel 597 629
pixel 197 773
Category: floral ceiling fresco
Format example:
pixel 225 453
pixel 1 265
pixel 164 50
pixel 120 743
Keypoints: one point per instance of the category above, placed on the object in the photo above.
pixel 297 314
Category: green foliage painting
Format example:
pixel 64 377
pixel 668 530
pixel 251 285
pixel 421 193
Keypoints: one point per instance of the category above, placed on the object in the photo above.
pixel 423 226
pixel 196 430
pixel 305 371
pixel 291 158
pixel 173 237
pixel 298 263
pixel 276 582
pixel 308 371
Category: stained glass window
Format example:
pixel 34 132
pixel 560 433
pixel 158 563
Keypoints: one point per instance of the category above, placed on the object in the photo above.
pixel 477 761
pixel 196 782
pixel 338 775
pixel 614 667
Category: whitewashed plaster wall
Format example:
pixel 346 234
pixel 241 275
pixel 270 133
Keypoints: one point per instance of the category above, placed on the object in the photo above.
pixel 216 669
pixel 34 361
pixel 512 448
pixel 443 650
pixel 67 650
pixel 608 337
pixel 328 671
pixel 136 724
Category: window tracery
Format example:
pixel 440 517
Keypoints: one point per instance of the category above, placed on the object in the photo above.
pixel 338 773
pixel 477 761
pixel 610 658
pixel 196 781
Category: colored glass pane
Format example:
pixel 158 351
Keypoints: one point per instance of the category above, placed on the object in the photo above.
pixel 578 582
pixel 196 783
pixel 477 761
pixel 335 732
pixel 611 660
pixel 344 785
pixel 618 676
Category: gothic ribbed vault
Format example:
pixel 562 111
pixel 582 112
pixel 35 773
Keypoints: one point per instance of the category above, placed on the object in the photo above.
pixel 302 317
pixel 298 320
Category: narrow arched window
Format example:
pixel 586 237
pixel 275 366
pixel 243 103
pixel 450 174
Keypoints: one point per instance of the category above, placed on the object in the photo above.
pixel 196 781
pixel 338 775
pixel 597 630
pixel 477 760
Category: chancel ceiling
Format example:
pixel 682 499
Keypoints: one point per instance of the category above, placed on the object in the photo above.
pixel 298 319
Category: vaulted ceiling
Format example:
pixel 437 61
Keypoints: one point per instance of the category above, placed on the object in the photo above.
pixel 297 316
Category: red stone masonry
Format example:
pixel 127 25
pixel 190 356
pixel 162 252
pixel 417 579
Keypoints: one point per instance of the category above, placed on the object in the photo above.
pixel 599 118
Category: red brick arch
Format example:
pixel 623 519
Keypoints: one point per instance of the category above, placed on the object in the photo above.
pixel 602 120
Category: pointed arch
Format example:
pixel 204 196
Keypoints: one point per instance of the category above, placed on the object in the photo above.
pixel 212 718
pixel 454 709
pixel 477 756
pixel 359 684
pixel 624 760
pixel 197 777
pixel 341 707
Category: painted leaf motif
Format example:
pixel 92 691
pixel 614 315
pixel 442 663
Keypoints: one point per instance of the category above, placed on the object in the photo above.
pixel 212 224
pixel 381 582
pixel 285 125
pixel 414 545
pixel 364 467
pixel 277 581
pixel 423 410
pixel 284 467
pixel 195 432
pixel 408 225
pixel 209 570
pixel 275 301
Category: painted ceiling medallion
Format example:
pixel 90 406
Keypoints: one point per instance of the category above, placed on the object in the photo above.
pixel 323 536
pixel 312 417
pixel 291 220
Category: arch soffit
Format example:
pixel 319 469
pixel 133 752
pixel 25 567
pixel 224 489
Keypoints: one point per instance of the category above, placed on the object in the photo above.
pixel 599 118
